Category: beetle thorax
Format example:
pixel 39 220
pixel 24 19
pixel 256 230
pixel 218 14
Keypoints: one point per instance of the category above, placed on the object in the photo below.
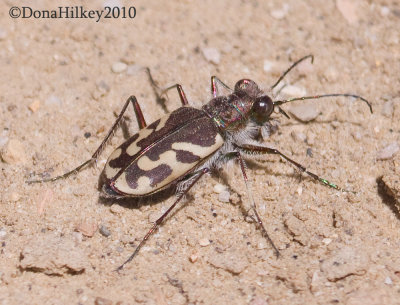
pixel 230 112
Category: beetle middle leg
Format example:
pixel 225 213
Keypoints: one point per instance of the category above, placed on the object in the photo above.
pixel 236 155
pixel 141 121
pixel 159 93
pixel 186 185
pixel 254 149
pixel 215 81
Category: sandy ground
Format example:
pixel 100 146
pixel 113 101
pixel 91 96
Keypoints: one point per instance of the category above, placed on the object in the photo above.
pixel 64 81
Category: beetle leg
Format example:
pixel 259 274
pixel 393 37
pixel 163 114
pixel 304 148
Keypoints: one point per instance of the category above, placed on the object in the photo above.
pixel 215 81
pixel 254 149
pixel 142 124
pixel 257 219
pixel 193 178
pixel 181 93
pixel 138 112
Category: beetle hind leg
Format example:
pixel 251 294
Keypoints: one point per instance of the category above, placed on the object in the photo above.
pixel 188 183
pixel 141 121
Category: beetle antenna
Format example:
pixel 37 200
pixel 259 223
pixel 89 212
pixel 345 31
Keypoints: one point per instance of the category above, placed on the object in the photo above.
pixel 291 67
pixel 278 103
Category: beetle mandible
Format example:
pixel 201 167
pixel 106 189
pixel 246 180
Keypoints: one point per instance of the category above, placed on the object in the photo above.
pixel 179 148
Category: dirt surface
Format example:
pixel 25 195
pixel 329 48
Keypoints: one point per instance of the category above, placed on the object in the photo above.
pixel 63 82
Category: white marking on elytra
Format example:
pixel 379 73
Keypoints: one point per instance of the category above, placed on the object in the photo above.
pixel 168 157
pixel 198 150
pixel 143 187
pixel 162 122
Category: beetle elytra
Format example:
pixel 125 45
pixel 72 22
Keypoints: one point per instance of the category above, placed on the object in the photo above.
pixel 179 148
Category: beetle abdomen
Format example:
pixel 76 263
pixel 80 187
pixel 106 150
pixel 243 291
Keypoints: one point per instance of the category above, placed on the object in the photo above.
pixel 161 153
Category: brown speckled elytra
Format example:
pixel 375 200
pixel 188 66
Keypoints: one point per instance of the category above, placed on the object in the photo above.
pixel 179 148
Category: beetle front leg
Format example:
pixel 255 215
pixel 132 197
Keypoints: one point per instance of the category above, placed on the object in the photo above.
pixel 141 121
pixel 236 155
pixel 254 149
pixel 186 185
pixel 215 81
pixel 181 93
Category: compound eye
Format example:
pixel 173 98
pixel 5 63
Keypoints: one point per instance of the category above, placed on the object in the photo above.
pixel 245 85
pixel 262 109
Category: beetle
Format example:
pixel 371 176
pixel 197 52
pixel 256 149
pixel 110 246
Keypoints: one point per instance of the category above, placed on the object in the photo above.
pixel 180 147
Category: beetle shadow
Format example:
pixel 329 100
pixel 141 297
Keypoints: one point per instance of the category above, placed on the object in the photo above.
pixel 137 202
pixel 387 199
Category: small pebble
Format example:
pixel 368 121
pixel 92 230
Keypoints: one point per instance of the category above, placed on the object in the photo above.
pixel 310 138
pixel 294 91
pixel 268 65
pixel 133 69
pixel 14 197
pixel 298 136
pixel 87 228
pixel 348 9
pixel 34 106
pixel 204 242
pixel 327 241
pixel 118 67
pixel 218 188
pixel 388 152
pixel 116 209
pixel 385 11
pixel 3 233
pixel 103 86
pixel 104 231
pixel 102 301
pixel 14 152
pixel 280 13
pixel 193 258
pixel 387 109
pixel 356 135
pixel 3 34
pixel 87 135
pixel 53 100
pixel 258 301
pixel 77 236
pixel 211 55
pixel 388 281
pixel 332 74
pixel 304 113
pixel 224 196
pixel 4 138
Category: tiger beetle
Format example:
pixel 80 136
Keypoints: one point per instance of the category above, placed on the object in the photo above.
pixel 176 150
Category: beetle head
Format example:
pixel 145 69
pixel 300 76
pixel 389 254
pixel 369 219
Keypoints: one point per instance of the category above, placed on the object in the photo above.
pixel 262 106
